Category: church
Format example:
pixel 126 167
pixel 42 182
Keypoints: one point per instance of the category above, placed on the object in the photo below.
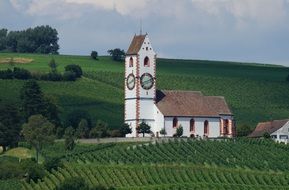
pixel 199 115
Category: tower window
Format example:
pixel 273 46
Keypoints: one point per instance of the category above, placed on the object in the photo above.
pixel 175 122
pixel 131 62
pixel 146 62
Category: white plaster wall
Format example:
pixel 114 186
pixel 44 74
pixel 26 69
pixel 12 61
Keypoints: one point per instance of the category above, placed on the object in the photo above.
pixel 130 109
pixel 146 109
pixel 214 126
pixel 282 131
pixel 159 120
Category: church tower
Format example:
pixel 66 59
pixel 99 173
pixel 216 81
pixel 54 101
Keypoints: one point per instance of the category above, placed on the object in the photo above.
pixel 140 83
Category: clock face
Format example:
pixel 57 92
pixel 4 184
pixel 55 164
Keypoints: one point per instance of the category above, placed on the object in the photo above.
pixel 147 81
pixel 130 81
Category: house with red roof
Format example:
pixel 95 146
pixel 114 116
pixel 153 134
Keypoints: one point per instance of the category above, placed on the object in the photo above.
pixel 198 115
pixel 277 129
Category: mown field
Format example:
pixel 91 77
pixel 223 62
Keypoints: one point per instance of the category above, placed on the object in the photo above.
pixel 177 164
pixel 255 92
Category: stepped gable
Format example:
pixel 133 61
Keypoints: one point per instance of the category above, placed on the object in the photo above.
pixel 269 127
pixel 136 44
pixel 191 103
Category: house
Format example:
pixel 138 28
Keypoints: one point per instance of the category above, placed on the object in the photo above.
pixel 277 129
pixel 199 115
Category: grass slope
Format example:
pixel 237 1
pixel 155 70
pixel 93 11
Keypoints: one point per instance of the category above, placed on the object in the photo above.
pixel 255 92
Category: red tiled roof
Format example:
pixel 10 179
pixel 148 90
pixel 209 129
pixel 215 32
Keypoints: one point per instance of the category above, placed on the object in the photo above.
pixel 270 127
pixel 191 103
pixel 136 44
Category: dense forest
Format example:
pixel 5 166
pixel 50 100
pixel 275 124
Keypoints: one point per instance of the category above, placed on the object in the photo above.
pixel 41 39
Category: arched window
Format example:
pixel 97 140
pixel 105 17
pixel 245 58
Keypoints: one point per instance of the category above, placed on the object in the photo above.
pixel 175 122
pixel 146 62
pixel 206 127
pixel 226 127
pixel 131 62
pixel 192 125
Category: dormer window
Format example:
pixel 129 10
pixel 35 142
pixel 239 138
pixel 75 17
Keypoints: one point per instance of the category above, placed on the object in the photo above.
pixel 146 62
pixel 131 62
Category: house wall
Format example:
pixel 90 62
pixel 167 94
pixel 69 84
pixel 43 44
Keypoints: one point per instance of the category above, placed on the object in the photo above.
pixel 214 126
pixel 159 121
pixel 282 134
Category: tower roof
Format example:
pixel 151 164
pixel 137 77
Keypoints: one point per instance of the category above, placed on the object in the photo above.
pixel 136 44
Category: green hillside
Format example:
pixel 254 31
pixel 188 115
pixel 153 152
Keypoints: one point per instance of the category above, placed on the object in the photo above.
pixel 185 164
pixel 255 92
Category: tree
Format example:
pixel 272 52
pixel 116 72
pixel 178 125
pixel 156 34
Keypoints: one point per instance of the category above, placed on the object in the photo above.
pixel 53 65
pixel 144 128
pixel 41 39
pixel 82 129
pixel 163 132
pixel 3 36
pixel 266 135
pixel 94 55
pixel 179 131
pixel 51 110
pixel 38 131
pixel 116 54
pixel 32 99
pixel 125 129
pixel 74 68
pixel 243 130
pixel 9 125
pixel 34 102
pixel 73 118
pixel 69 138
pixel 100 130
pixel 287 79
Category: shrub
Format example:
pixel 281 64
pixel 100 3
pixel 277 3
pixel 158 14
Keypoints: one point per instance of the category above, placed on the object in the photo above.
pixel 10 168
pixel 33 171
pixel 94 55
pixel 115 133
pixel 52 163
pixel 287 79
pixel 54 76
pixel 100 130
pixel 179 131
pixel 20 73
pixel 6 74
pixel 74 68
pixel 74 118
pixel 69 138
pixel 69 76
pixel 243 130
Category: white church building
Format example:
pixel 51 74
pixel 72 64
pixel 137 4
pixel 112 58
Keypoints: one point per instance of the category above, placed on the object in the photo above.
pixel 199 115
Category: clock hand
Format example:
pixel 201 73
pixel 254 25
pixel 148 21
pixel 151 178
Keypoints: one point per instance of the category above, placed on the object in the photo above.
pixel 147 81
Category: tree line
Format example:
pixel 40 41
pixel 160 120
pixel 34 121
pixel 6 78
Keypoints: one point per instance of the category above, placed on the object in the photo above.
pixel 41 39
